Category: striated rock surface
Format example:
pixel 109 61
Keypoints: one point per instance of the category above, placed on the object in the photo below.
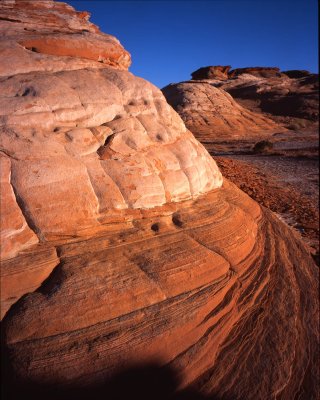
pixel 123 245
pixel 211 288
pixel 213 115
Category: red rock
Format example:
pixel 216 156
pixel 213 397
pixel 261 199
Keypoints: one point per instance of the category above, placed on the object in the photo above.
pixel 81 144
pixel 213 115
pixel 291 98
pixel 154 257
pixel 271 102
pixel 263 72
pixel 213 72
pixel 53 37
pixel 16 235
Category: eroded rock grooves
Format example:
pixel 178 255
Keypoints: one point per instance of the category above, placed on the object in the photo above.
pixel 123 246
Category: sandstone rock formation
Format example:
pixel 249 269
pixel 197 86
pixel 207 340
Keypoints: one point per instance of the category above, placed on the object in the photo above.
pixel 213 72
pixel 290 97
pixel 29 40
pixel 213 115
pixel 264 101
pixel 81 139
pixel 297 73
pixel 154 257
pixel 261 72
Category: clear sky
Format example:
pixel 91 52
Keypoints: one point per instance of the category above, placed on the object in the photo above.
pixel 170 39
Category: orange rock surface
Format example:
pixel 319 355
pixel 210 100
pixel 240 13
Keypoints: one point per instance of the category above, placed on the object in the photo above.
pixel 123 244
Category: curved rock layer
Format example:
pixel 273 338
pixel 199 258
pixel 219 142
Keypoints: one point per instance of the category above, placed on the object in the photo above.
pixel 218 289
pixel 213 115
pixel 123 246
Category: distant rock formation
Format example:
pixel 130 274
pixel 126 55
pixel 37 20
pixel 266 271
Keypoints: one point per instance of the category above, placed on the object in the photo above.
pixel 297 73
pixel 261 72
pixel 213 72
pixel 290 95
pixel 213 115
pixel 122 244
pixel 271 101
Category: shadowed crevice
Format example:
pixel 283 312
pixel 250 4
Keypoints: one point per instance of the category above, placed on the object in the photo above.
pixel 26 213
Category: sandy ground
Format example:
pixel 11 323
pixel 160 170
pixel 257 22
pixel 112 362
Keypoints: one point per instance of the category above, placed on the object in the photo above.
pixel 286 180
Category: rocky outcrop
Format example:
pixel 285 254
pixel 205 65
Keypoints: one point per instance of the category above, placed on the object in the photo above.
pixel 124 246
pixel 34 36
pixel 214 72
pixel 264 101
pixel 213 115
pixel 261 72
pixel 290 98
pixel 211 287
pixel 296 73
pixel 87 143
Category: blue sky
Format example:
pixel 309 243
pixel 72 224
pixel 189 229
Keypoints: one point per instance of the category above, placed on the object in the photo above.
pixel 170 39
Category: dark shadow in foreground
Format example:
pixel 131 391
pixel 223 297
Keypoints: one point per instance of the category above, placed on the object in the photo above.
pixel 146 382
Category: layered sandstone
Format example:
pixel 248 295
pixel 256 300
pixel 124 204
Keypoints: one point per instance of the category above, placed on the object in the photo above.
pixel 154 258
pixel 85 143
pixel 35 40
pixel 217 289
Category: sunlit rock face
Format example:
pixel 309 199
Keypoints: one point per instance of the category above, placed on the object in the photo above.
pixel 123 246
pixel 84 138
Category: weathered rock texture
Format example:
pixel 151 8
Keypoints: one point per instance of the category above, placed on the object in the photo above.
pixel 154 257
pixel 89 142
pixel 35 40
pixel 213 115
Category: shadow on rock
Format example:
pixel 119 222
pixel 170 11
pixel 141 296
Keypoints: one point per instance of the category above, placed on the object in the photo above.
pixel 144 382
